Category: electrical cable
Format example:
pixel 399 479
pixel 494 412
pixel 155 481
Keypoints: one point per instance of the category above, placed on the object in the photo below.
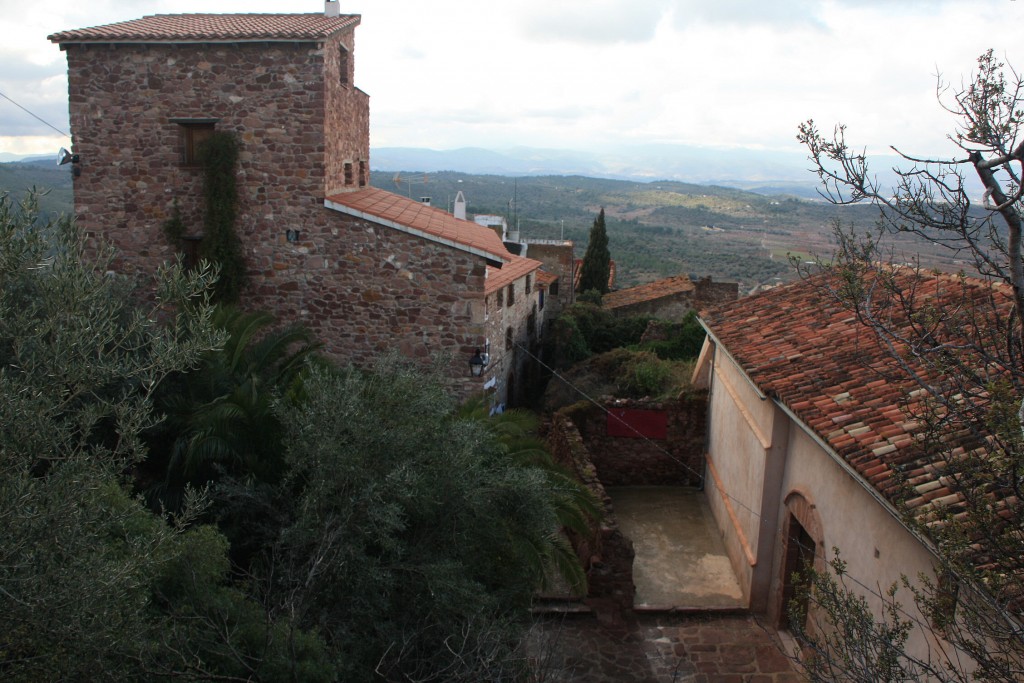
pixel 875 592
pixel 64 133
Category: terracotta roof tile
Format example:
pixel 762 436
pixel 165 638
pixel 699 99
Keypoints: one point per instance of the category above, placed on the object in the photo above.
pixel 544 278
pixel 648 292
pixel 163 28
pixel 509 273
pixel 417 218
pixel 841 382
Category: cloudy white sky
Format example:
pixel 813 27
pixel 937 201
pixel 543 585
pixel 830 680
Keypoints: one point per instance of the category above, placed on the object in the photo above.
pixel 586 74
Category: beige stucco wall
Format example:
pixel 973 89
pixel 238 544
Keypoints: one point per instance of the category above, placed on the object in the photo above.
pixel 877 548
pixel 762 456
pixel 737 440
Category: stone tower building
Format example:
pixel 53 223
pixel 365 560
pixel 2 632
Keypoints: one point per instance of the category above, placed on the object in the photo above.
pixel 367 270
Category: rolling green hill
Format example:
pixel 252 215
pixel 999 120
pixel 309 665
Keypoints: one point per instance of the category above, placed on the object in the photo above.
pixel 17 178
pixel 655 229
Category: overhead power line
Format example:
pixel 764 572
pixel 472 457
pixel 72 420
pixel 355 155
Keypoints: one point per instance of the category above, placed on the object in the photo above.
pixel 36 117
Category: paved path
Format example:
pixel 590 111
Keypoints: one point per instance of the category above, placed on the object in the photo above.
pixel 669 648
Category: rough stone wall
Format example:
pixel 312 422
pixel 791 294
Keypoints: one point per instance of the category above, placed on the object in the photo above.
pixel 558 259
pixel 512 362
pixel 670 307
pixel 714 293
pixel 705 294
pixel 678 460
pixel 365 289
pixel 347 115
pixel 123 99
pixel 362 288
pixel 606 554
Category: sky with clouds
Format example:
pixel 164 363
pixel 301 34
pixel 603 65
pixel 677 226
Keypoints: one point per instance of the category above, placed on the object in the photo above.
pixel 593 74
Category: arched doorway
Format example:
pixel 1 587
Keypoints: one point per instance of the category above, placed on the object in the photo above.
pixel 802 550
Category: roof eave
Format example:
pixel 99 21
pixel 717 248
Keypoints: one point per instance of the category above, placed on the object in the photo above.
pixel 341 208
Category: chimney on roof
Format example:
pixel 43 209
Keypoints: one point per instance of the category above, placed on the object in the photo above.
pixel 460 206
pixel 332 8
pixel 425 201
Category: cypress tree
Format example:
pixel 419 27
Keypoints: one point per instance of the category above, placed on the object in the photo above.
pixel 597 260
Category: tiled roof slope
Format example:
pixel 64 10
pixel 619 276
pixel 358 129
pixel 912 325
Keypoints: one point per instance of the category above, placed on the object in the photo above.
pixel 509 273
pixel 648 292
pixel 408 215
pixel 544 278
pixel 162 28
pixel 800 347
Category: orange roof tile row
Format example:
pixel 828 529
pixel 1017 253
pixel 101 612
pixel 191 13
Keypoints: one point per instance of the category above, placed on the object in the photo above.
pixel 798 344
pixel 544 278
pixel 648 292
pixel 509 273
pixel 412 216
pixel 211 27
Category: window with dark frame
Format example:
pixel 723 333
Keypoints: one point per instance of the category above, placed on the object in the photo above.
pixel 553 289
pixel 348 172
pixel 508 338
pixel 193 132
pixel 501 298
pixel 528 284
pixel 511 294
pixel 362 174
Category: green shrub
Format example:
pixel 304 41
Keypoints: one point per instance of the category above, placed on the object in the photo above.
pixel 685 340
pixel 644 375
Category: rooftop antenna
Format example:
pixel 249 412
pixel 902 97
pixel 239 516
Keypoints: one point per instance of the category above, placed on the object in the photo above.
pixel 398 180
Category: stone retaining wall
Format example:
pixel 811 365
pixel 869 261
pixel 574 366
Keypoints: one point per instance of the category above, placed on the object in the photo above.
pixel 676 460
pixel 606 554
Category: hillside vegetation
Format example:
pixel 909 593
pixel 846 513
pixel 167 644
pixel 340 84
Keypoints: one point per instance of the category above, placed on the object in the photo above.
pixel 655 229
pixel 661 228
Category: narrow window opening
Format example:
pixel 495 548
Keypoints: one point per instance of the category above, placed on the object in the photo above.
pixel 343 66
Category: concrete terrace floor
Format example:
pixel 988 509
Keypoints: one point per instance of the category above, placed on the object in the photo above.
pixel 689 624
pixel 680 558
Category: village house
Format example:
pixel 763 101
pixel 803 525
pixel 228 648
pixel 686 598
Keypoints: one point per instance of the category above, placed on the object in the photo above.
pixel 558 257
pixel 670 298
pixel 813 443
pixel 367 270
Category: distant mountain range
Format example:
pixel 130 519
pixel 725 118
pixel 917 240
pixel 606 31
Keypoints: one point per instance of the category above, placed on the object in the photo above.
pixel 755 170
pixel 760 171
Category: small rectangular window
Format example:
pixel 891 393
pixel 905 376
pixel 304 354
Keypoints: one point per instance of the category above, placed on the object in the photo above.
pixel 501 298
pixel 193 133
pixel 511 294
pixel 554 288
pixel 362 174
pixel 348 172
pixel 528 284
